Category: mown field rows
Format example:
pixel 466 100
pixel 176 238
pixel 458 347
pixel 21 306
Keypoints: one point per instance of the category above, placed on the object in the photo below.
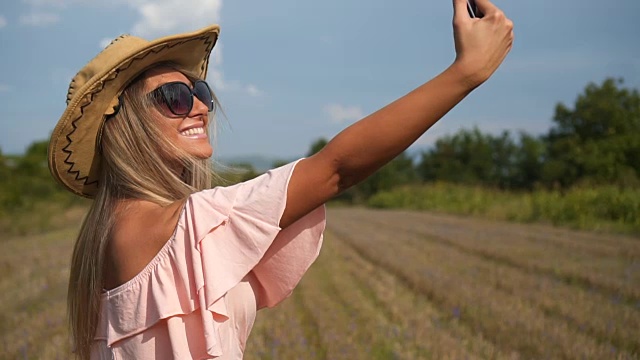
pixel 430 286
pixel 395 285
pixel 33 288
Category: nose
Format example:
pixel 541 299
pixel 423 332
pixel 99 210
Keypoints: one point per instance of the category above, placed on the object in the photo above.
pixel 199 108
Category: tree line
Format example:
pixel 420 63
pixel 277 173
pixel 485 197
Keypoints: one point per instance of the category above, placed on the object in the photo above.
pixel 594 142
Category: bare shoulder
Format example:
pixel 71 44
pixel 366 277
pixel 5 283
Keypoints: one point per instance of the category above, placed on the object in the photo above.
pixel 140 231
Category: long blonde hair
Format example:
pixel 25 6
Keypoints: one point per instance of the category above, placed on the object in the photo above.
pixel 134 166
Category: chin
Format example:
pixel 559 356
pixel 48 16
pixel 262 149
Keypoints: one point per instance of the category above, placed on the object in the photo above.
pixel 202 154
pixel 200 148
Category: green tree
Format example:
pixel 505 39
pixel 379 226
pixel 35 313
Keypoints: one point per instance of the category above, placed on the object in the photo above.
pixel 399 171
pixel 467 156
pixel 25 180
pixel 317 146
pixel 528 162
pixel 503 169
pixel 34 161
pixel 233 173
pixel 4 167
pixel 598 140
pixel 278 163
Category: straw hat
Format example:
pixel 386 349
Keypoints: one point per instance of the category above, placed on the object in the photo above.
pixel 74 159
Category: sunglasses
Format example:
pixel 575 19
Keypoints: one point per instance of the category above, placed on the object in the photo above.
pixel 178 96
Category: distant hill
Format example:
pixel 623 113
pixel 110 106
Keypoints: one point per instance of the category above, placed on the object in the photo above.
pixel 263 163
pixel 259 162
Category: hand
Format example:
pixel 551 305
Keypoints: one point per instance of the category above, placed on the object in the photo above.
pixel 481 44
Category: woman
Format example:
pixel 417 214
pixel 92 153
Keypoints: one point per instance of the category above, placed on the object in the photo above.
pixel 165 267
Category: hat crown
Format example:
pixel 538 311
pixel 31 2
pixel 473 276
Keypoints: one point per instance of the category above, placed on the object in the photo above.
pixel 94 92
pixel 117 48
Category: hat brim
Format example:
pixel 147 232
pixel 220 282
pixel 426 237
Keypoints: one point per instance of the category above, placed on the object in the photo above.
pixel 74 159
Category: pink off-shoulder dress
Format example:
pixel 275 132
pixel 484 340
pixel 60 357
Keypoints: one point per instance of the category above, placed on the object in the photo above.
pixel 197 298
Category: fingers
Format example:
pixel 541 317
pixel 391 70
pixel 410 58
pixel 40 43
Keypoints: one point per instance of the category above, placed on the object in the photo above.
pixel 460 10
pixel 487 7
pixel 481 44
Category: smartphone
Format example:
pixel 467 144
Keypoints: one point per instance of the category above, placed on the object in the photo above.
pixel 473 9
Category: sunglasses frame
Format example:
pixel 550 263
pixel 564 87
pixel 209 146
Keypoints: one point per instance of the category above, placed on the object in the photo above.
pixel 159 95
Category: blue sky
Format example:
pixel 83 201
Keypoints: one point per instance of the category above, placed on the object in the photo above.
pixel 289 72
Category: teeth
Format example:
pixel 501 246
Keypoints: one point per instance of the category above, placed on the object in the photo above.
pixel 194 131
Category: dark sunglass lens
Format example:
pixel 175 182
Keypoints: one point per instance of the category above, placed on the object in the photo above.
pixel 203 93
pixel 178 98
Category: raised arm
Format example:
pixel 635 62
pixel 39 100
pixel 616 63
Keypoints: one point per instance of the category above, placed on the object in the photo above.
pixel 362 148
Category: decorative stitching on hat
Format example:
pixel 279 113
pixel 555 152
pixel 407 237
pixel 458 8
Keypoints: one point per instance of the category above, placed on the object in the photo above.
pixel 72 86
pixel 89 99
pixel 116 39
pixel 72 89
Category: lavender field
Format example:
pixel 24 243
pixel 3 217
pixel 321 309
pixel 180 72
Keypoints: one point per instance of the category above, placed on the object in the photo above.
pixel 395 285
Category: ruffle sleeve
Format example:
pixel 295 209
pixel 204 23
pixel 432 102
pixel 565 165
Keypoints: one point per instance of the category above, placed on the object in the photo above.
pixel 222 235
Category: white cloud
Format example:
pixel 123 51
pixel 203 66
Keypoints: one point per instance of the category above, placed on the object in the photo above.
pixel 46 12
pixel 105 42
pixel 218 82
pixel 216 55
pixel 39 19
pixel 3 22
pixel 217 78
pixel 4 88
pixel 163 17
pixel 51 3
pixel 160 18
pixel 341 114
pixel 253 90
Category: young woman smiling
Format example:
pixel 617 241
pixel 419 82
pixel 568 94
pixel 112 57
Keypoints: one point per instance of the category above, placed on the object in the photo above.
pixel 164 266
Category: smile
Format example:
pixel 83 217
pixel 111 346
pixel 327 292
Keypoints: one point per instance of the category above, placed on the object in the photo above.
pixel 192 132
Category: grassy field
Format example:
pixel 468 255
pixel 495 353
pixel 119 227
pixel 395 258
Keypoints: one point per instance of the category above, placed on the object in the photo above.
pixel 395 285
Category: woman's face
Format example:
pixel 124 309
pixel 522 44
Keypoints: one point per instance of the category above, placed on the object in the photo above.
pixel 187 132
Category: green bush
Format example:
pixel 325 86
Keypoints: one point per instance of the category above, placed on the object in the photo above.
pixel 605 207
pixel 30 199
